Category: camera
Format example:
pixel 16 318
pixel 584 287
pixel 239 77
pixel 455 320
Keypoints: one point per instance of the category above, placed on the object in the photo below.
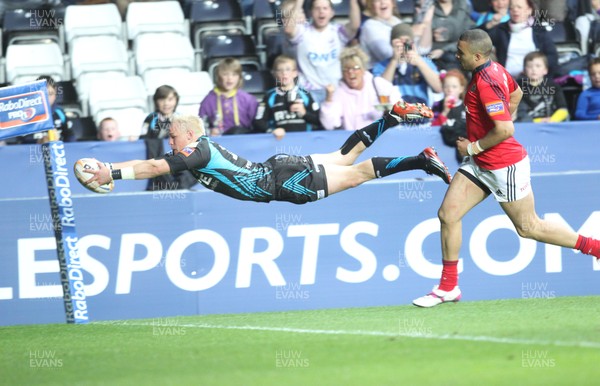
pixel 407 47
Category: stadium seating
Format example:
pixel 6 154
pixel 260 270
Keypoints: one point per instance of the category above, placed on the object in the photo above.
pixel 163 50
pixel 25 62
pixel 264 20
pixel 33 25
pixel 121 98
pixel 209 17
pixel 406 9
pixel 98 54
pixel 275 41
pixel 68 98
pixel 192 87
pixel 217 47
pixel 257 82
pixel 92 20
pixel 565 38
pixel 153 17
pixel 342 11
pixel 594 38
pixel 84 129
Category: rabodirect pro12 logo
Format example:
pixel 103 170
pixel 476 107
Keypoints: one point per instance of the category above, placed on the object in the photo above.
pixel 21 109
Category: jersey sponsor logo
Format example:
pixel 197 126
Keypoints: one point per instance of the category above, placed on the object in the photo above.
pixel 494 108
pixel 186 151
pixel 320 58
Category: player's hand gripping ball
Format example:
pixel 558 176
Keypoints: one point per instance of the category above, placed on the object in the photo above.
pixel 82 167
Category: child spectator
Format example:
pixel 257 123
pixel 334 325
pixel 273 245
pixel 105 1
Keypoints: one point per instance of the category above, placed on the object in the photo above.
pixel 227 109
pixel 353 104
pixel 156 127
pixel 449 113
pixel 108 130
pixel 287 107
pixel 588 104
pixel 156 124
pixel 543 99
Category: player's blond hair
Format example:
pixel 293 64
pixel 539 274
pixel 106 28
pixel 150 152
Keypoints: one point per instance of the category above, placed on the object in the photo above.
pixel 189 123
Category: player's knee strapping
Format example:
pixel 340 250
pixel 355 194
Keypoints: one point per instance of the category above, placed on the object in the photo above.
pixel 368 134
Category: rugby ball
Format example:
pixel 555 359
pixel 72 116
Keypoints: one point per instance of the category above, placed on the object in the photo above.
pixel 82 168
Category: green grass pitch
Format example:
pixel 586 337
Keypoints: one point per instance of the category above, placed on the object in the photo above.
pixel 506 342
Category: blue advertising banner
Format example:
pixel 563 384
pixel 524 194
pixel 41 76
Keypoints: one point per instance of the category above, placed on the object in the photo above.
pixel 24 109
pixel 166 253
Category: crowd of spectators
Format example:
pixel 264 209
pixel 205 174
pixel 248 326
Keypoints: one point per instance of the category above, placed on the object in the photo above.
pixel 342 75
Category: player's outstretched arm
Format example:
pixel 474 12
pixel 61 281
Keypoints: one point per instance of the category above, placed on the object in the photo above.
pixel 130 170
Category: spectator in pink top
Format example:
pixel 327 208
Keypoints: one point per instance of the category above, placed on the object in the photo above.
pixel 359 98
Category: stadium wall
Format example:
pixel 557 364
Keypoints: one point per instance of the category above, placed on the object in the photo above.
pixel 160 254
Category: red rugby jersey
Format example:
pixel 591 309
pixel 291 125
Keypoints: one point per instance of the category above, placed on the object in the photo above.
pixel 487 100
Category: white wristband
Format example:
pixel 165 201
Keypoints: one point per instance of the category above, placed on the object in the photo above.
pixel 470 149
pixel 479 148
pixel 128 173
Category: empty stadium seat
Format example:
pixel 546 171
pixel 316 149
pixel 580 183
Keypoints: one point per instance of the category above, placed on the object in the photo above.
pixel 117 93
pixel 92 20
pixel 84 83
pixel 342 11
pixel 33 25
pixel 68 98
pixel 257 82
pixel 157 77
pixel 98 54
pixel 152 17
pixel 406 9
pixel 84 129
pixel 223 16
pixel 565 39
pixel 25 62
pixel 163 50
pixel 264 19
pixel 274 44
pixel 594 38
pixel 191 87
pixel 217 47
pixel 124 98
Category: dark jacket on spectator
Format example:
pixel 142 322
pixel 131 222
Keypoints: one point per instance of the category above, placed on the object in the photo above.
pixel 501 38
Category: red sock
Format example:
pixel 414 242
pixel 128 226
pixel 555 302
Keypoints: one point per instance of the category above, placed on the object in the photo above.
pixel 449 278
pixel 588 245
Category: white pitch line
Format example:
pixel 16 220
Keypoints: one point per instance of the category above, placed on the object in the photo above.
pixel 488 339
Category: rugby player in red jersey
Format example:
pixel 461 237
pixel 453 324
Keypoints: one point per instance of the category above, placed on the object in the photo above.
pixel 497 164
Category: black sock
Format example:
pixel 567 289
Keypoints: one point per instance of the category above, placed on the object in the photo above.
pixel 368 134
pixel 385 166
